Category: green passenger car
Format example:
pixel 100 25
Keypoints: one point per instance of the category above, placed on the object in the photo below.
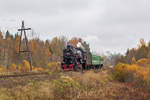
pixel 96 61
pixel 93 60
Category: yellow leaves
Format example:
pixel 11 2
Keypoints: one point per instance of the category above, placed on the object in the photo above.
pixel 13 67
pixel 38 69
pixel 54 65
pixel 144 72
pixel 2 69
pixel 132 73
pixel 26 65
pixel 21 68
pixel 132 68
pixel 32 45
pixel 125 72
pixel 65 83
pixel 120 67
pixel 66 78
pixel 142 77
pixel 120 72
pixel 143 62
pixel 133 60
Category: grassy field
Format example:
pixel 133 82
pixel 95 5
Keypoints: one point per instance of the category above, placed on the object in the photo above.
pixel 90 85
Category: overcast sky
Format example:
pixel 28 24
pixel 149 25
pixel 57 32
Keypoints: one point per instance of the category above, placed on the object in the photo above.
pixel 107 25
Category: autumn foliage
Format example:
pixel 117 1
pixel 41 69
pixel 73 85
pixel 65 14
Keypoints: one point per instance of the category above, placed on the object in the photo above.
pixel 134 67
pixel 2 69
pixel 43 52
pixel 138 74
pixel 13 67
pixel 53 66
pixel 37 69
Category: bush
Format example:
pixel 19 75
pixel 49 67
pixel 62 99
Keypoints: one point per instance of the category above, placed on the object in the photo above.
pixel 13 67
pixel 143 62
pixel 25 67
pixel 124 72
pixel 2 69
pixel 142 77
pixel 37 69
pixel 139 76
pixel 66 88
pixel 53 66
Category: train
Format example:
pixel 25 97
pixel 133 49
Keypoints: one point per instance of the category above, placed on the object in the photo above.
pixel 77 59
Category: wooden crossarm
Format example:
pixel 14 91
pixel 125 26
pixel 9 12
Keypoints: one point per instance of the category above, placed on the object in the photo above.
pixel 24 29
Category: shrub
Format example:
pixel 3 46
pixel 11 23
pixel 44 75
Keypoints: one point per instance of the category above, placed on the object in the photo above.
pixel 37 69
pixel 142 77
pixel 2 69
pixel 139 76
pixel 66 88
pixel 13 67
pixel 53 66
pixel 26 65
pixel 133 60
pixel 124 72
pixel 120 72
pixel 143 62
pixel 21 68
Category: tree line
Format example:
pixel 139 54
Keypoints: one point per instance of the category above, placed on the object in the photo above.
pixel 132 55
pixel 43 52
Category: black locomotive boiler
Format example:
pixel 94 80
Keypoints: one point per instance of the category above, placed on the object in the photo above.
pixel 73 58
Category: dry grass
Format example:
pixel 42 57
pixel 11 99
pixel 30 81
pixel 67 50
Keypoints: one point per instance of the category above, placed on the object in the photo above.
pixel 91 85
pixel 31 91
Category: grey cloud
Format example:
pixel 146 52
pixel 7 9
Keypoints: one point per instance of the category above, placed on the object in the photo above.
pixel 113 25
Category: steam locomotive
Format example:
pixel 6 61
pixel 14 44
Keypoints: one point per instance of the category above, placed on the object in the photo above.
pixel 79 59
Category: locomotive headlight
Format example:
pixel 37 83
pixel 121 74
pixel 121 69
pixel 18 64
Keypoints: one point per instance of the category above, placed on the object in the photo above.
pixel 67 54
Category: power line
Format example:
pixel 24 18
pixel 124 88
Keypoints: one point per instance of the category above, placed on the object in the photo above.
pixel 27 49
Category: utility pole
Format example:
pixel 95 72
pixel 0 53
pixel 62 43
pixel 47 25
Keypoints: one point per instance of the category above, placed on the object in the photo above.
pixel 27 49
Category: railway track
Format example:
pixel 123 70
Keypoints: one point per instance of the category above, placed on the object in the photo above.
pixel 23 74
pixel 18 74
